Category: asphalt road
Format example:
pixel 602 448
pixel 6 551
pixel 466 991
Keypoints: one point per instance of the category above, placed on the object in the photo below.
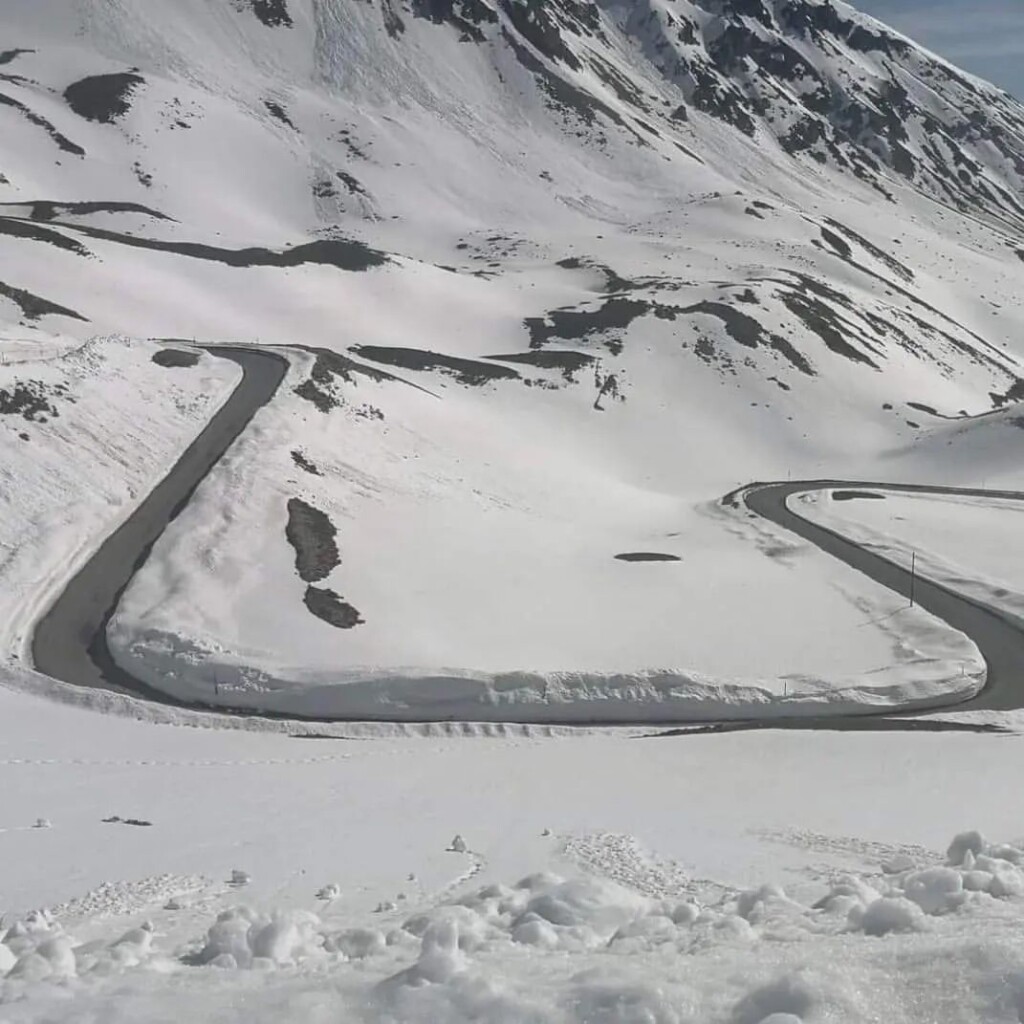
pixel 999 636
pixel 70 641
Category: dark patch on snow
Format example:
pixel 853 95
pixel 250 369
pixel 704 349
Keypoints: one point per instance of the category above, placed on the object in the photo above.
pixel 352 184
pixel 343 253
pixel 277 111
pixel 305 464
pixel 822 320
pixel 6 56
pixel 393 23
pixel 103 98
pixel 898 268
pixel 320 389
pixel 312 534
pixel 31 400
pixel 747 331
pixel 175 357
pixel 465 15
pixel 534 21
pixel 30 230
pixel 48 209
pixel 647 556
pixel 327 605
pixel 116 819
pixel 40 122
pixel 626 91
pixel 565 97
pixel 324 399
pixel 466 371
pixel 613 315
pixel 839 246
pixel 921 407
pixel 607 387
pixel 33 306
pixel 857 496
pixel 613 282
pixel 1014 393
pixel 273 13
pixel 568 363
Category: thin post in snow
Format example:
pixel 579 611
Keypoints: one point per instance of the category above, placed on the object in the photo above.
pixel 913 576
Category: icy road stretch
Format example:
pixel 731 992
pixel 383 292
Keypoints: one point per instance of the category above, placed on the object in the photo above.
pixel 70 641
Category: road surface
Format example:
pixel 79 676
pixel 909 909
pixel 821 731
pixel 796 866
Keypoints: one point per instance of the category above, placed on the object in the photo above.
pixel 70 641
pixel 998 635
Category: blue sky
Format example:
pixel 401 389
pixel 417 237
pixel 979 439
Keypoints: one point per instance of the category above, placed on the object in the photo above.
pixel 985 37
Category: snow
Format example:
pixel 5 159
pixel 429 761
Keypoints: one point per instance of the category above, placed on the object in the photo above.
pixel 968 543
pixel 482 869
pixel 605 877
pixel 111 423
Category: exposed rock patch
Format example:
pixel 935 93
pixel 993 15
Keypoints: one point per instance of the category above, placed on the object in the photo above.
pixel 103 98
pixel 175 357
pixel 326 605
pixel 30 400
pixel 32 117
pixel 273 13
pixel 304 463
pixel 466 371
pixel 312 535
pixel 35 232
pixel 33 306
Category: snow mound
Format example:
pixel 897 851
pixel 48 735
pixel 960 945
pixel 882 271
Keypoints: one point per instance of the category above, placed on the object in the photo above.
pixel 582 950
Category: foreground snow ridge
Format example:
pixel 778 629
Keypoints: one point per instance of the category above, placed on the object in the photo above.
pixel 902 944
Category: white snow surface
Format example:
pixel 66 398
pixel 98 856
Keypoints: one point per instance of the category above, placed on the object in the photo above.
pixel 108 424
pixel 160 865
pixel 970 544
pixel 605 877
pixel 729 311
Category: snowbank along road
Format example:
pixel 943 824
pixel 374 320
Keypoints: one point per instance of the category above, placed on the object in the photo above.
pixel 999 636
pixel 70 641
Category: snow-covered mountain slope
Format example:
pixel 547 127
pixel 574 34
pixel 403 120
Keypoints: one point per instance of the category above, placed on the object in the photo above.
pixel 602 257
pixel 784 184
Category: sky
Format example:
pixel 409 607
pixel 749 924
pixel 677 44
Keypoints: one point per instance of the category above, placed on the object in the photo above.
pixel 985 37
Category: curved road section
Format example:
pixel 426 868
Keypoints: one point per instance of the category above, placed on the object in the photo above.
pixel 70 641
pixel 998 635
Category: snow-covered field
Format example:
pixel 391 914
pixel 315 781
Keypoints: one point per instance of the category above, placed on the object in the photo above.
pixel 602 878
pixel 484 574
pixel 553 278
pixel 552 331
